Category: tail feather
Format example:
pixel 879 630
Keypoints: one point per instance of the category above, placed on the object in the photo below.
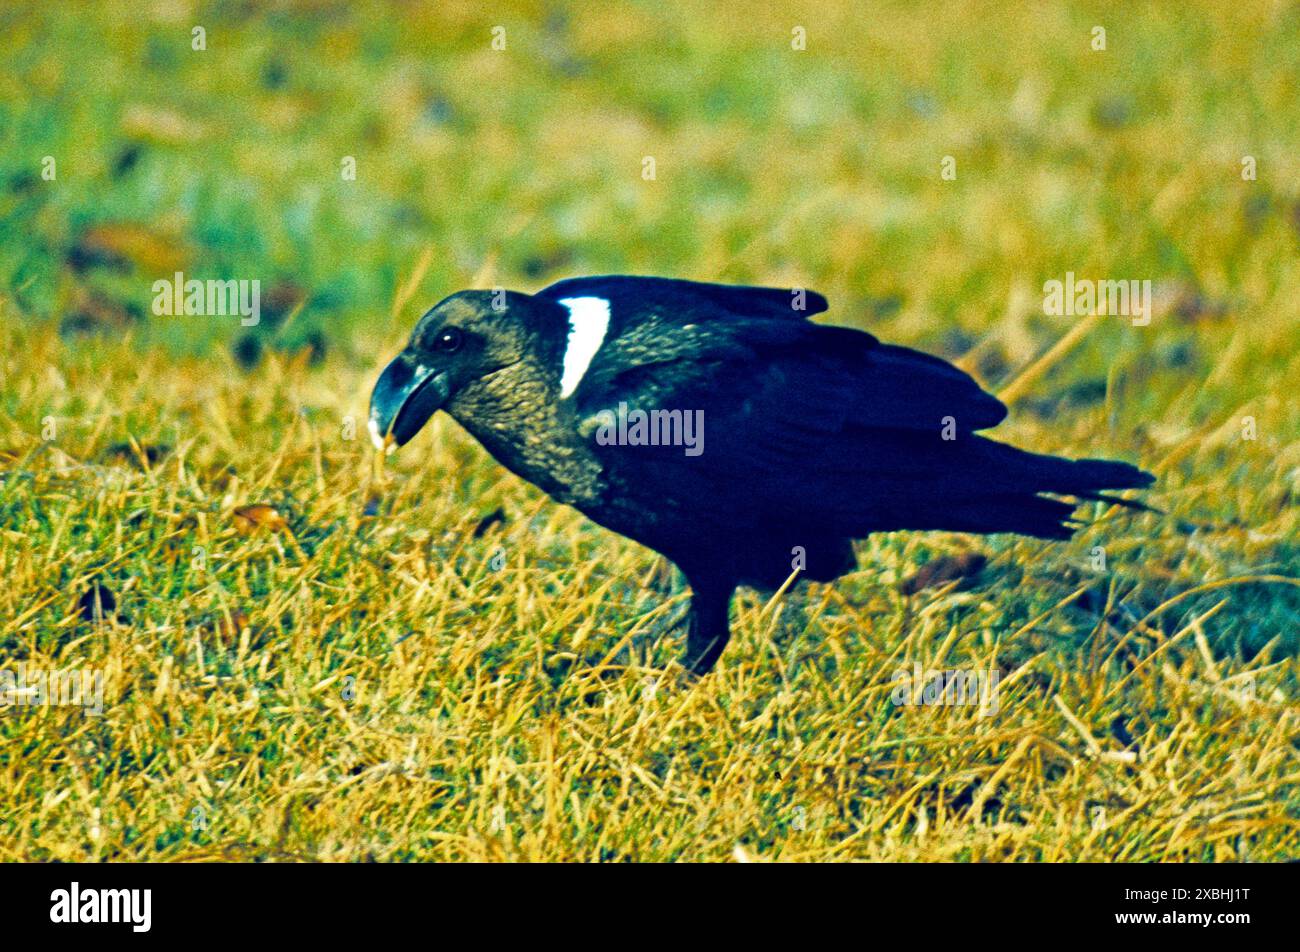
pixel 1035 474
pixel 1086 475
pixel 1038 516
pixel 1040 473
pixel 999 488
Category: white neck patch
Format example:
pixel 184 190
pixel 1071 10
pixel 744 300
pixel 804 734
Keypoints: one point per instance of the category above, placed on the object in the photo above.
pixel 588 323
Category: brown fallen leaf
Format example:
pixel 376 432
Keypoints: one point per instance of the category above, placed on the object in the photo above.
pixel 126 245
pixel 944 569
pixel 219 632
pixel 249 519
pixel 227 629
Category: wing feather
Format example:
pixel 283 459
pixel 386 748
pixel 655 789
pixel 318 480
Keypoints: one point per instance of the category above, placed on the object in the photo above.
pixel 633 298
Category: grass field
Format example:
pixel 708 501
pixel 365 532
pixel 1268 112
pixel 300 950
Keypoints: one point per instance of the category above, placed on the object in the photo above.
pixel 308 656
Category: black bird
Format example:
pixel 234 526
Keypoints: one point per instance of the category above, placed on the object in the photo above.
pixel 816 435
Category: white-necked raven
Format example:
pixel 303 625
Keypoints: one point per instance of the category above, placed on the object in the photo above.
pixel 720 427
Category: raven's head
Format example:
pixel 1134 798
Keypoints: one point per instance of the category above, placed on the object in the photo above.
pixel 465 339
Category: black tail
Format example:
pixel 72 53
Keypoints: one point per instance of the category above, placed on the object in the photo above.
pixel 976 485
pixel 1026 483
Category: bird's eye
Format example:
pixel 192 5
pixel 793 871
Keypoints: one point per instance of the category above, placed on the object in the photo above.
pixel 449 339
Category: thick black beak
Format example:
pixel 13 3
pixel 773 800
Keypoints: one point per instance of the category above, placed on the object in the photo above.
pixel 405 396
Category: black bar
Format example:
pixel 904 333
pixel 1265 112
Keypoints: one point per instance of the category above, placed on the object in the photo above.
pixel 340 903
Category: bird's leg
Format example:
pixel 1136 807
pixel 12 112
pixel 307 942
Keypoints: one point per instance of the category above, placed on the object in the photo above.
pixel 709 630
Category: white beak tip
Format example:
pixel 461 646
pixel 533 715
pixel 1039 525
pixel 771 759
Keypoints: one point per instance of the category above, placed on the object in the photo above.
pixel 384 442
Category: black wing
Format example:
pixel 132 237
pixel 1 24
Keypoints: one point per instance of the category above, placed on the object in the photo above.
pixel 799 422
pixel 634 298
pixel 666 333
pixel 824 429
pixel 800 375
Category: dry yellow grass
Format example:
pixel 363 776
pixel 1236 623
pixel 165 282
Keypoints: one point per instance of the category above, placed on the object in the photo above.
pixel 351 686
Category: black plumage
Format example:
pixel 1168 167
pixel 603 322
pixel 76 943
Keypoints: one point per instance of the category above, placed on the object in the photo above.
pixel 812 435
